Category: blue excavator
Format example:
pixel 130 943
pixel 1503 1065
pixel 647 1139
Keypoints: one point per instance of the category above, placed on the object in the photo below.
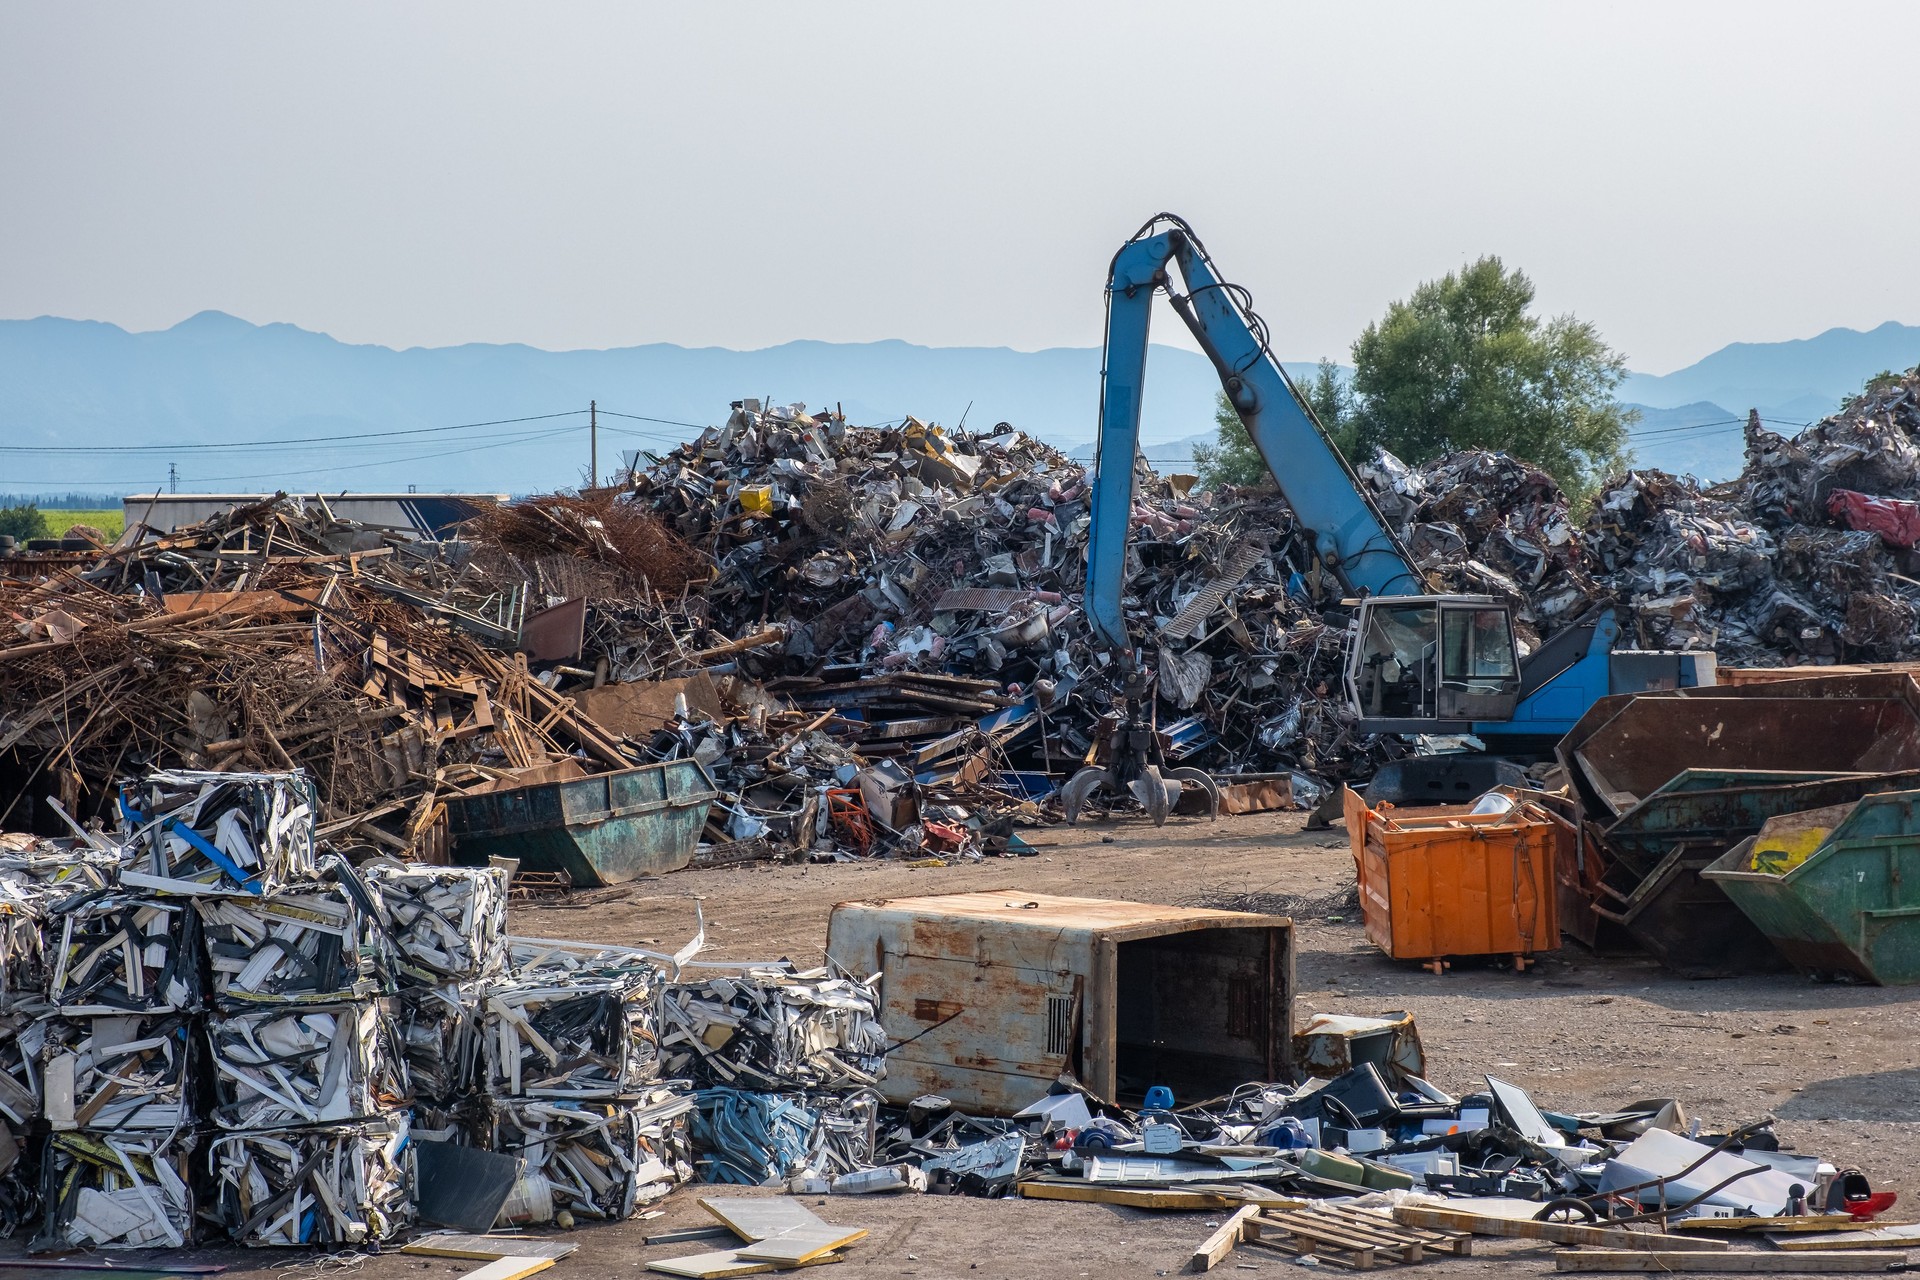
pixel 1416 663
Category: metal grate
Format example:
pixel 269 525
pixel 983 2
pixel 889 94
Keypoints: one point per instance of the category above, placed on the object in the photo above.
pixel 1059 1025
pixel 1243 1008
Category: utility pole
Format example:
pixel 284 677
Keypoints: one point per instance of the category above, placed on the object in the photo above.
pixel 173 478
pixel 593 444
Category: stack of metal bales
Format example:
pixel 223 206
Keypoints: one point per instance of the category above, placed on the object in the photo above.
pixel 786 1061
pixel 203 1021
pixel 571 1074
pixel 306 1138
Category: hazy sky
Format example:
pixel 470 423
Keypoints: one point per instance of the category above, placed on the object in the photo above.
pixel 738 174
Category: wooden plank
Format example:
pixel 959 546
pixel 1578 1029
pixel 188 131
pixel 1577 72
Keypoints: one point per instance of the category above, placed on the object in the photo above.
pixel 487 1248
pixel 1897 1235
pixel 1221 1242
pixel 1744 1263
pixel 802 1244
pixel 1800 1222
pixel 1326 1229
pixel 1131 1197
pixel 1459 1243
pixel 1264 1231
pixel 1553 1232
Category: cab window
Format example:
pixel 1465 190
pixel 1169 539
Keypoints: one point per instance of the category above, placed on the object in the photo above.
pixel 1476 644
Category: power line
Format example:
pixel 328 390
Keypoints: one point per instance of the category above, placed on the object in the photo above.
pixel 277 443
pixel 520 438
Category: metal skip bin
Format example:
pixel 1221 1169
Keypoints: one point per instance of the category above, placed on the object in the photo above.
pixel 1443 882
pixel 1668 782
pixel 604 829
pixel 1838 890
pixel 990 997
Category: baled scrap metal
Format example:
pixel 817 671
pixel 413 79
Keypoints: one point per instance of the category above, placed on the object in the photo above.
pixel 339 1185
pixel 600 1159
pixel 116 1191
pixel 115 952
pixel 440 1036
pixel 591 1035
pixel 292 1065
pixel 187 831
pixel 118 1072
pixel 308 943
pixel 449 923
pixel 774 1028
pixel 23 945
pixel 22 1036
pixel 753 1138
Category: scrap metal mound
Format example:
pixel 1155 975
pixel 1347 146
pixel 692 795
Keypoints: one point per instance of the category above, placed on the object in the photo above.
pixel 1806 557
pixel 832 618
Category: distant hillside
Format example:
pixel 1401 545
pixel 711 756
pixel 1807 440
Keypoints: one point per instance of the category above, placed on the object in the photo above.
pixel 217 379
pixel 1802 379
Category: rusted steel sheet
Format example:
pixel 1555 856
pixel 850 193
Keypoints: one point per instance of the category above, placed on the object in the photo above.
pixel 990 997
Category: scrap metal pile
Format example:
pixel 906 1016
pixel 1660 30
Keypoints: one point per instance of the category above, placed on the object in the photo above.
pixel 870 637
pixel 1806 557
pixel 226 1044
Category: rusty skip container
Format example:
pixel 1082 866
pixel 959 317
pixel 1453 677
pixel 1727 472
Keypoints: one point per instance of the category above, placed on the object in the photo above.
pixel 603 829
pixel 1443 882
pixel 1667 782
pixel 990 997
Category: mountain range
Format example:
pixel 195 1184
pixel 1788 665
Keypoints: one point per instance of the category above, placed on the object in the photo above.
pixel 127 405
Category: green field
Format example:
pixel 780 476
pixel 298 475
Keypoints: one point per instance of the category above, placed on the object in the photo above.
pixel 107 522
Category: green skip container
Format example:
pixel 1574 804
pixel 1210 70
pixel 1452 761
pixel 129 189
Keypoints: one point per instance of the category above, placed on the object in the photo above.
pixel 1837 891
pixel 604 829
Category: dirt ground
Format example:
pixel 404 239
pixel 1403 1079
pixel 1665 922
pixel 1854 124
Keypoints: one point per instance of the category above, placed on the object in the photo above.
pixel 1837 1065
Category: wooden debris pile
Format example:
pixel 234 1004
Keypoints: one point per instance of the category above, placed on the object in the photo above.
pixel 276 637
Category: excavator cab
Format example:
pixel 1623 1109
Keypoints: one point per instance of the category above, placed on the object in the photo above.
pixel 1431 664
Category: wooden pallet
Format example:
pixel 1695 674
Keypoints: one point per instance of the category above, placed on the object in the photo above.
pixel 1351 1237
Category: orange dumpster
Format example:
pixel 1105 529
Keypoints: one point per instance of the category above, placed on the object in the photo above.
pixel 1442 882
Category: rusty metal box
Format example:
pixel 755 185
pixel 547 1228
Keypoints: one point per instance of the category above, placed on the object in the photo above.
pixel 990 997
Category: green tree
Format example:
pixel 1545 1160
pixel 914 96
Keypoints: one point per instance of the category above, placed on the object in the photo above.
pixel 23 522
pixel 1234 459
pixel 1462 364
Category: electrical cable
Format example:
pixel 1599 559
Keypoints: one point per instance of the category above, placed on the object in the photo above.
pixel 275 444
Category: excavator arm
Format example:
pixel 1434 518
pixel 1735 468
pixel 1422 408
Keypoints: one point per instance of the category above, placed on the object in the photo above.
pixel 1350 538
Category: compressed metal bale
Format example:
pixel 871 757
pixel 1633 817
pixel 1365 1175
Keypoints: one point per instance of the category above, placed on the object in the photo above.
pixel 440 1036
pixel 311 943
pixel 114 952
pixel 598 1159
pixel 753 1138
pixel 118 1072
pixel 116 1190
pixel 194 832
pixel 306 1065
pixel 334 1185
pixel 590 1036
pixel 448 923
pixel 21 1037
pixel 774 1029
pixel 19 1179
